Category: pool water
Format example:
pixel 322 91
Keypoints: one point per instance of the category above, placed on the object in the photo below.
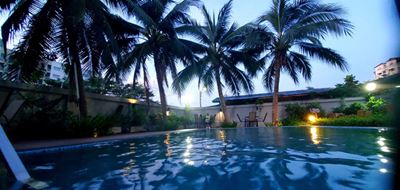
pixel 244 158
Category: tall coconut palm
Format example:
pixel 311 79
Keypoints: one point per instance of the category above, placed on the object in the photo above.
pixel 159 40
pixel 221 47
pixel 296 30
pixel 80 31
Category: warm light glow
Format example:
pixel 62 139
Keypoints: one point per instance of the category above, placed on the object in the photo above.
pixel 168 113
pixel 133 101
pixel 314 135
pixel 220 117
pixel 370 86
pixel 312 118
pixel 221 135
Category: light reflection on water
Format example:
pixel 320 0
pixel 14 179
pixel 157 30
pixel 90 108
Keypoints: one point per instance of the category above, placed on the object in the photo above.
pixel 256 158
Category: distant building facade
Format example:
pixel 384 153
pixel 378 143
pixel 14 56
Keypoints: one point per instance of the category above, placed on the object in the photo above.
pixel 389 68
pixel 53 69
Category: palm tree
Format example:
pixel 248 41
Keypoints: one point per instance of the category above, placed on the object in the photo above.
pixel 159 41
pixel 295 32
pixel 82 32
pixel 221 45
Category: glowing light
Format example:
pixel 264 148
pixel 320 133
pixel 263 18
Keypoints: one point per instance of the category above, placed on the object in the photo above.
pixel 133 101
pixel 222 135
pixel 370 86
pixel 312 118
pixel 380 141
pixel 383 170
pixel 186 154
pixel 383 160
pixel 314 135
pixel 380 156
pixel 187 99
pixel 204 89
pixel 168 113
pixel 385 149
pixel 398 86
pixel 188 139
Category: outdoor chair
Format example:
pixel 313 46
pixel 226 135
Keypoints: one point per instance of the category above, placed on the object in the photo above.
pixel 251 119
pixel 265 117
pixel 240 120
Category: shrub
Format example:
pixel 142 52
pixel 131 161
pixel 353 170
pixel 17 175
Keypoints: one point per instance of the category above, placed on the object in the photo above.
pixel 270 124
pixel 354 108
pixel 375 120
pixel 227 125
pixel 297 113
pixel 89 126
pixel 172 122
pixel 376 105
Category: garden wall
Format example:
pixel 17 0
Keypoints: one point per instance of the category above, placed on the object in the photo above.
pixel 241 111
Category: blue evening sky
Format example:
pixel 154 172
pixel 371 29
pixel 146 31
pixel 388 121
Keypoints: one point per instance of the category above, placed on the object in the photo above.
pixel 375 40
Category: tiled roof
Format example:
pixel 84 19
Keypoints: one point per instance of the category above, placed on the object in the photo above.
pixel 269 95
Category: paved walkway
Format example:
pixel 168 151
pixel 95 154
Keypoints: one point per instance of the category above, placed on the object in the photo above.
pixel 29 145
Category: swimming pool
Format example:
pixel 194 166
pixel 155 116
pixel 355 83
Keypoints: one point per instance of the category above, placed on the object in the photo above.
pixel 243 158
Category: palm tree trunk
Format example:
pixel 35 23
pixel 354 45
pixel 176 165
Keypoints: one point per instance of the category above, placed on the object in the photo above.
pixel 160 80
pixel 221 96
pixel 275 108
pixel 77 73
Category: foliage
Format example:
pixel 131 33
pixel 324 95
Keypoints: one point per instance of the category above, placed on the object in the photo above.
pixel 172 122
pixel 221 47
pixel 350 88
pixel 160 40
pixel 104 87
pixel 299 112
pixel 374 120
pixel 90 126
pixel 376 105
pixel 270 124
pixel 354 108
pixel 227 124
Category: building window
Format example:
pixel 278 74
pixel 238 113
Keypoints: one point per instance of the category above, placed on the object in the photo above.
pixel 57 68
pixel 56 76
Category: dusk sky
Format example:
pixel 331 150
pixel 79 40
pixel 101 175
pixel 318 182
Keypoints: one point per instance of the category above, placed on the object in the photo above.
pixel 375 40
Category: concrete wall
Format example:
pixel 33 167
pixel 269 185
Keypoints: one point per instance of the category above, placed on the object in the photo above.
pixel 243 110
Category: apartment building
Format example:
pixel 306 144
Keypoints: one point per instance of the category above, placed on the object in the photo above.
pixel 390 67
pixel 53 69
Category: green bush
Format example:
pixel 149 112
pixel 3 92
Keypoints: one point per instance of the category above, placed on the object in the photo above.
pixel 90 126
pixel 172 122
pixel 374 120
pixel 354 108
pixel 270 124
pixel 376 105
pixel 227 125
pixel 297 113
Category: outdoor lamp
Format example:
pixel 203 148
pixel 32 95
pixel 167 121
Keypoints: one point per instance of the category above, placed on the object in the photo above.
pixel 312 118
pixel 370 86
pixel 168 112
